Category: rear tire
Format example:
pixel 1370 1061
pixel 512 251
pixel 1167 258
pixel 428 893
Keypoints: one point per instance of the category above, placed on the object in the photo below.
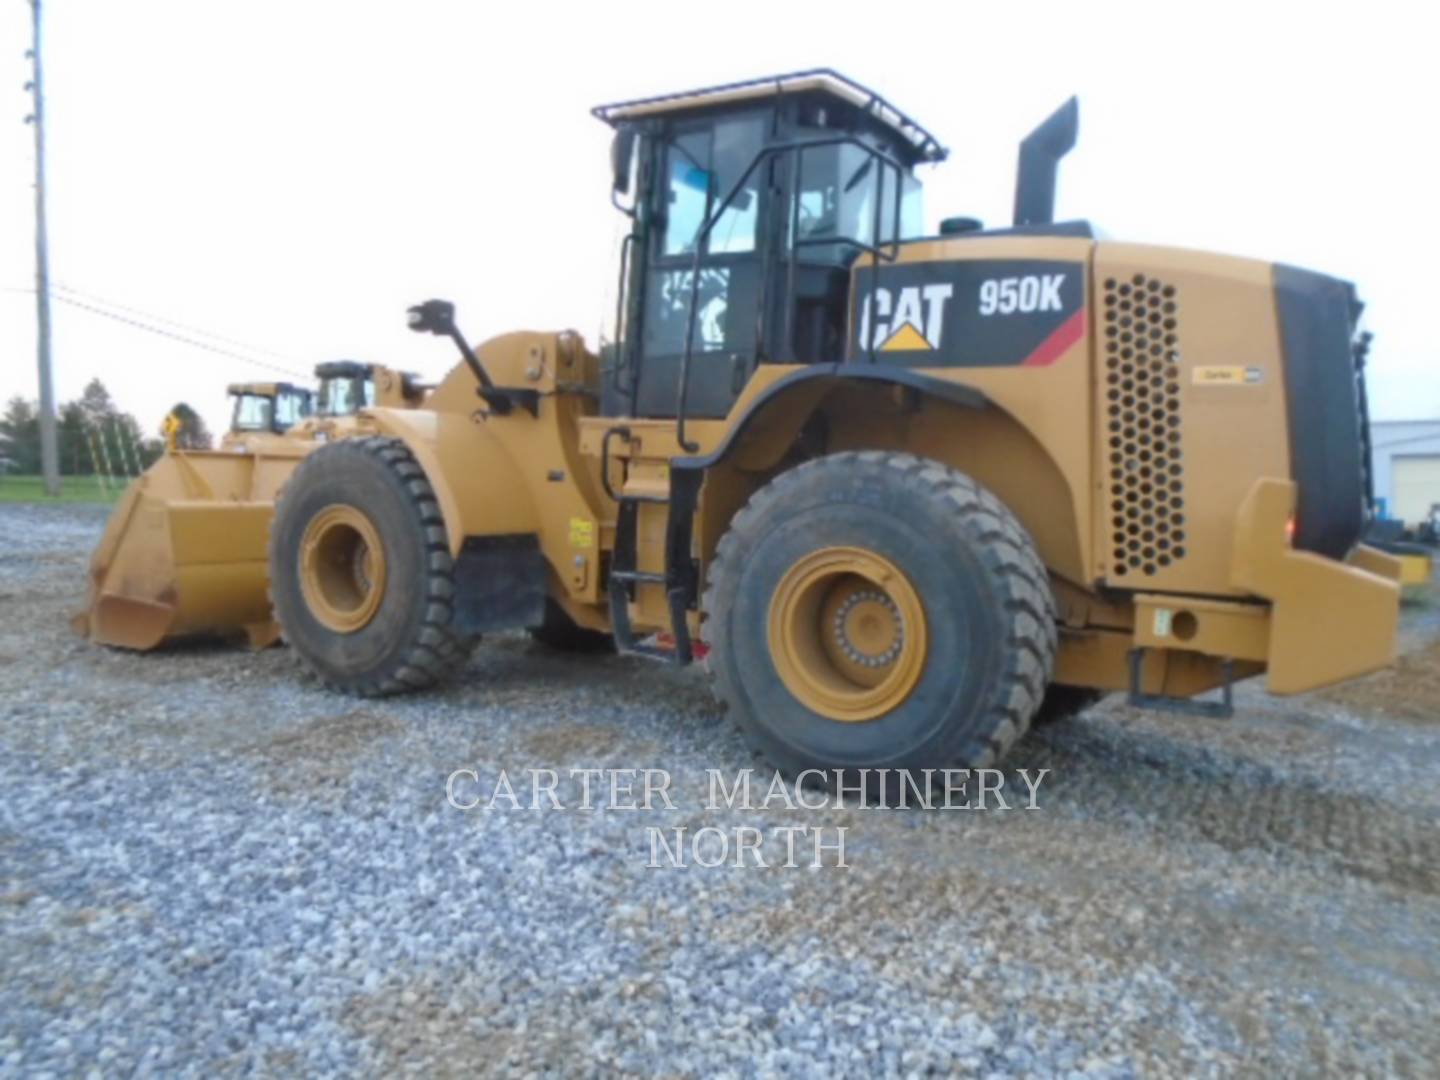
pixel 366 622
pixel 985 620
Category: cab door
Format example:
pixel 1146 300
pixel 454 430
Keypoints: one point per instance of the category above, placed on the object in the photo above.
pixel 699 164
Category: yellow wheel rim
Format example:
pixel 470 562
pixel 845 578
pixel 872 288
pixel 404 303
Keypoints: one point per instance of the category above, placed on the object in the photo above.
pixel 342 568
pixel 847 634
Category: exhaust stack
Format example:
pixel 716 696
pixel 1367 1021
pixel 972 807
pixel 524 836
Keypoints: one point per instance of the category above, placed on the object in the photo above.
pixel 1040 154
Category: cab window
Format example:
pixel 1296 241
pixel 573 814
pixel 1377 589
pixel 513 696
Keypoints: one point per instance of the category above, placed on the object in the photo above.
pixel 341 397
pixel 702 168
pixel 736 144
pixel 290 409
pixel 253 412
pixel 839 188
pixel 688 192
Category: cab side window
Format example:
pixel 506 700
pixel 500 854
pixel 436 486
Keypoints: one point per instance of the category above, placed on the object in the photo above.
pixel 688 180
pixel 290 409
pixel 736 144
pixel 702 168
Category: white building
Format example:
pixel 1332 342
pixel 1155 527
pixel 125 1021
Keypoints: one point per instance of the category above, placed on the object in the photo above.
pixel 1406 461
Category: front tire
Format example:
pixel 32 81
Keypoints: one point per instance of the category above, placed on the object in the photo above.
pixel 879 610
pixel 360 570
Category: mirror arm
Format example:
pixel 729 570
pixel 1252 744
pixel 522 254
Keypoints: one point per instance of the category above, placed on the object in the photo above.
pixel 438 317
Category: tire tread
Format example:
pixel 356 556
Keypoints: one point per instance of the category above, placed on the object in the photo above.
pixel 1007 551
pixel 437 651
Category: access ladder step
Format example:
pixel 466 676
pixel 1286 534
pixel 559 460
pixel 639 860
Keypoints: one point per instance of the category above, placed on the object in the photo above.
pixel 1219 710
pixel 640 577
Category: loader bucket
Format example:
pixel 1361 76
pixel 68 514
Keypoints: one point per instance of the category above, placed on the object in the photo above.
pixel 184 553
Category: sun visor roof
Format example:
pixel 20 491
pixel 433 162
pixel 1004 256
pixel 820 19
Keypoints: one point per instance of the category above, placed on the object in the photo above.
pixel 820 80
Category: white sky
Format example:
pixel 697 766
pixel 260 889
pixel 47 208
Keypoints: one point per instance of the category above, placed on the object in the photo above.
pixel 292 174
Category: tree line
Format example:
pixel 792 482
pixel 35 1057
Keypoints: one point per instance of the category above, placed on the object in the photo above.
pixel 93 435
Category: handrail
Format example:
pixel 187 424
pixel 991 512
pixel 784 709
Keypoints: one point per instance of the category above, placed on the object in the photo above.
pixel 620 431
pixel 874 250
pixel 622 336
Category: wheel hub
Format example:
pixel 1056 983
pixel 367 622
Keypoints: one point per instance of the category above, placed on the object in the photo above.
pixel 868 628
pixel 342 568
pixel 847 633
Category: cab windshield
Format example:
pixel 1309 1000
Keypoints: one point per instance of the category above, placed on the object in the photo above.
pixel 344 396
pixel 253 412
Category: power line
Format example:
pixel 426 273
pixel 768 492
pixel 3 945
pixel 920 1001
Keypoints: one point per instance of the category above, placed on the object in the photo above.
pixel 146 318
pixel 150 316
pixel 194 342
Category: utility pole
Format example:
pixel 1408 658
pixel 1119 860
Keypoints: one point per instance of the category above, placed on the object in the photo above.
pixel 49 451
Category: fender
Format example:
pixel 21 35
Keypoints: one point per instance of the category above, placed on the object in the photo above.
pixel 491 523
pixel 470 469
pixel 1024 474
pixel 821 377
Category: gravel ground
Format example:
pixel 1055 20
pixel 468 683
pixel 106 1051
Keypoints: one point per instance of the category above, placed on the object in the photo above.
pixel 209 864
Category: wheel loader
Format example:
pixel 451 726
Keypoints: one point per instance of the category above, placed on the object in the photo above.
pixel 262 412
pixel 184 551
pixel 899 491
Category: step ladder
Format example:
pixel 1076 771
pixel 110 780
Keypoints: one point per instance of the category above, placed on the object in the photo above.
pixel 681 577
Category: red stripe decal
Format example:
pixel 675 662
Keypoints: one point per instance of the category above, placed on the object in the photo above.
pixel 1054 346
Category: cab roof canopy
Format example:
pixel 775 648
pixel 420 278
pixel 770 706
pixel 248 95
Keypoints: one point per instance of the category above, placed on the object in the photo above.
pixel 265 389
pixel 823 82
pixel 342 369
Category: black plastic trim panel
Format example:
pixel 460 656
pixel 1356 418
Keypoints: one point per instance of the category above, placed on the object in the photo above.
pixel 1323 408
pixel 499 583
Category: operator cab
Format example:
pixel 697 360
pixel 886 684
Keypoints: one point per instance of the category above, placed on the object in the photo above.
pixel 268 408
pixel 345 387
pixel 750 203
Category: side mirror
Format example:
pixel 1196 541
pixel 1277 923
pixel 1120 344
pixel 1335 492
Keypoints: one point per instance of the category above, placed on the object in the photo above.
pixel 622 152
pixel 432 317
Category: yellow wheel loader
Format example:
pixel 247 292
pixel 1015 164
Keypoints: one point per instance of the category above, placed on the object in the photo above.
pixel 347 386
pixel 261 413
pixel 184 551
pixel 895 488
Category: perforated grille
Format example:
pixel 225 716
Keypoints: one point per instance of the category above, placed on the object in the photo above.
pixel 1142 409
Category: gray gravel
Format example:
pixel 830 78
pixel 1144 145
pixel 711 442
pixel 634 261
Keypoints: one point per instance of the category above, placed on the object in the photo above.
pixel 209 864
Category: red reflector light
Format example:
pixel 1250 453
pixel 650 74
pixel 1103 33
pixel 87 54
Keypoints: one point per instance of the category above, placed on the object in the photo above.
pixel 1290 530
pixel 666 640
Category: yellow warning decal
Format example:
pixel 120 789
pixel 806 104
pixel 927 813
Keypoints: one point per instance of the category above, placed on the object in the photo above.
pixel 906 339
pixel 582 532
pixel 1225 376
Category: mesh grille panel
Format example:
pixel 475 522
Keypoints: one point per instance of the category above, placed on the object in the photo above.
pixel 1142 418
